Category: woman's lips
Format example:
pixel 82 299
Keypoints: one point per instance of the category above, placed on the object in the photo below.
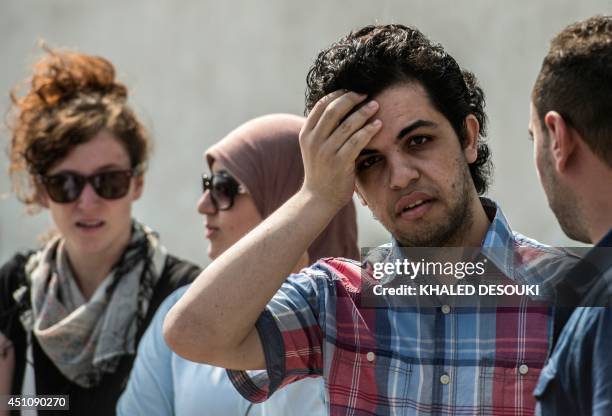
pixel 210 230
pixel 89 225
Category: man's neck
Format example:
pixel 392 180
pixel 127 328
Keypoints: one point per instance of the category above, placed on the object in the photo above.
pixel 480 225
pixel 595 193
pixel 598 214
pixel 599 232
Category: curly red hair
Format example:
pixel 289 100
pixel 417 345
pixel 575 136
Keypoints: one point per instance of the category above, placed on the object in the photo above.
pixel 71 97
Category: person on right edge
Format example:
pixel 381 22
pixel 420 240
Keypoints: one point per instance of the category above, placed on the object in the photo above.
pixel 392 115
pixel 571 126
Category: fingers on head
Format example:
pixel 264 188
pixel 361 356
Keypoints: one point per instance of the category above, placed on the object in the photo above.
pixel 319 108
pixel 360 139
pixel 352 124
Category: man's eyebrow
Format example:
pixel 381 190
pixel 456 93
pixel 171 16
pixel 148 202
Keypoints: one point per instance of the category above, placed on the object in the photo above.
pixel 406 130
pixel 415 125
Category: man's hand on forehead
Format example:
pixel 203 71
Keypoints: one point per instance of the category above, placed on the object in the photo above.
pixel 335 132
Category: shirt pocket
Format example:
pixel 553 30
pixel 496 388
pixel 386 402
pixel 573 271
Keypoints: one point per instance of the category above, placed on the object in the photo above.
pixel 510 388
pixel 369 380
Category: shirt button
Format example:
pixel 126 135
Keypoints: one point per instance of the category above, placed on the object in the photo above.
pixel 370 356
pixel 444 379
pixel 523 369
pixel 445 309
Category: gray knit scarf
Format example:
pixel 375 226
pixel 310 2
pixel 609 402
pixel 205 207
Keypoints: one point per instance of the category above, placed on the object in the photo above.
pixel 86 339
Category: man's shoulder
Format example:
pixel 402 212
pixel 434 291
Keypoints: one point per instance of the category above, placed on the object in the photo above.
pixel 586 330
pixel 521 240
pixel 334 271
pixel 529 249
pixel 537 262
pixel 600 293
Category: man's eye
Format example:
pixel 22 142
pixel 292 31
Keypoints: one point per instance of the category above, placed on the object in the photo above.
pixel 367 163
pixel 418 140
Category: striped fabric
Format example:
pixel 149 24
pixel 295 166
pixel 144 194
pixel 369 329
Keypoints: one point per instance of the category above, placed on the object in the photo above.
pixel 409 361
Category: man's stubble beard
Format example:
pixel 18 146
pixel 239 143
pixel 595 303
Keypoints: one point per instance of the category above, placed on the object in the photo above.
pixel 460 217
pixel 563 203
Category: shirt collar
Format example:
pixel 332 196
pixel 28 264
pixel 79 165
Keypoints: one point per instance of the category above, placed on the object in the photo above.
pixel 606 241
pixel 599 255
pixel 497 246
pixel 589 270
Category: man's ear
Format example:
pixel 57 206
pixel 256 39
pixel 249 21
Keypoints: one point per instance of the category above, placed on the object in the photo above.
pixel 562 140
pixel 361 198
pixel 138 186
pixel 472 130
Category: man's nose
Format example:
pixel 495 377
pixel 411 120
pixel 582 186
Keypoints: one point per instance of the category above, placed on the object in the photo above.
pixel 401 173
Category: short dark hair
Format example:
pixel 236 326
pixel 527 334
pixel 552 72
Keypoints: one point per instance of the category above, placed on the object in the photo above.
pixel 376 57
pixel 576 81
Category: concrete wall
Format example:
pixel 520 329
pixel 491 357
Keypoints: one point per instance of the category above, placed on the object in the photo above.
pixel 197 69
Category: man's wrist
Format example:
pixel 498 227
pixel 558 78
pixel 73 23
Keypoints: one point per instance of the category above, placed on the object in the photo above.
pixel 323 207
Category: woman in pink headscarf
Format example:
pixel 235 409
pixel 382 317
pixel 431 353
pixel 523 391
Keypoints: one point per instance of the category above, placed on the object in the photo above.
pixel 254 170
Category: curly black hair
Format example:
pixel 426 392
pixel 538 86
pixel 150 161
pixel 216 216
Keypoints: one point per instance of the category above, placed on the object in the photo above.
pixel 376 57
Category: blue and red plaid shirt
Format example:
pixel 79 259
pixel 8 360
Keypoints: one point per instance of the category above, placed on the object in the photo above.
pixel 408 361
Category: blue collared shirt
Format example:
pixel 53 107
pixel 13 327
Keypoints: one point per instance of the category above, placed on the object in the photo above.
pixel 577 379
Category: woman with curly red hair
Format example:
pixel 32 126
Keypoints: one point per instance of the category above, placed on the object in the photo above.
pixel 72 312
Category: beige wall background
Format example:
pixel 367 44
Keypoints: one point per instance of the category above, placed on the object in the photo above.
pixel 197 69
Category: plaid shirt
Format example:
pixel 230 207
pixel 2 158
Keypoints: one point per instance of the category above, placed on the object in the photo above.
pixel 408 361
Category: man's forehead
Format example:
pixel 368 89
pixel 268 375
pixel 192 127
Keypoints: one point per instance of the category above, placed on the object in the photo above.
pixel 404 109
pixel 405 103
pixel 404 93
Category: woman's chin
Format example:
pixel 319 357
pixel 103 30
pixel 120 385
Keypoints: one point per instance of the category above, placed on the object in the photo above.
pixel 215 250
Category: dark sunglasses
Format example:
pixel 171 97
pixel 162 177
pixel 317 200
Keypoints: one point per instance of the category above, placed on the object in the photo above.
pixel 223 189
pixel 66 187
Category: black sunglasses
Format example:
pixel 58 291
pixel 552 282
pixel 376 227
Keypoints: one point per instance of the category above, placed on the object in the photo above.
pixel 66 187
pixel 223 189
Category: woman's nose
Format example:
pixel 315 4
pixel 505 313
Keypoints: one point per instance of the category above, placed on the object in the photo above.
pixel 88 198
pixel 206 206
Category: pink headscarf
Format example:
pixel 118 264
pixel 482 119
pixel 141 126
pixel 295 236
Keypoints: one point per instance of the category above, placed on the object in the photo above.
pixel 264 155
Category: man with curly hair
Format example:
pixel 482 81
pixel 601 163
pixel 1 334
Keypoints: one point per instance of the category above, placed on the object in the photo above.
pixel 571 126
pixel 393 117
